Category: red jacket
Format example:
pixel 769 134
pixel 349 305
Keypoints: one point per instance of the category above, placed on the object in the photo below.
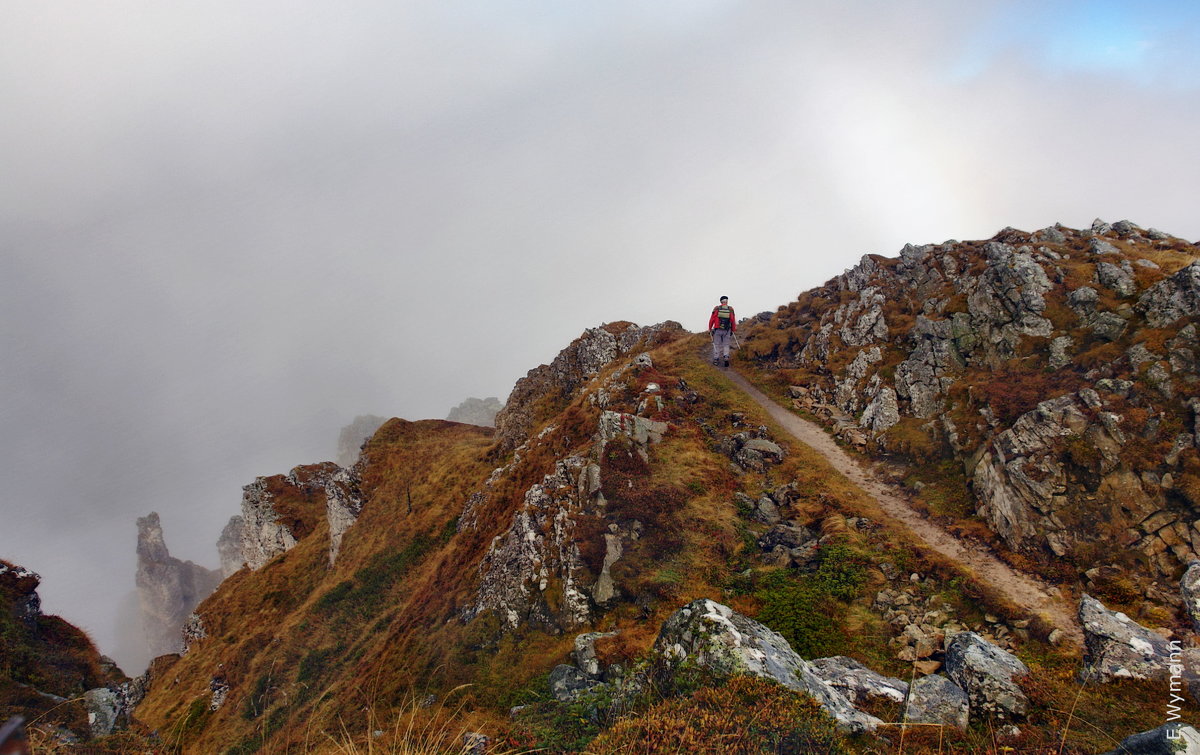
pixel 714 322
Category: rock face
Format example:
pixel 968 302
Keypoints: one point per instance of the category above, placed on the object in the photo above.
pixel 1118 647
pixel 1047 365
pixel 534 572
pixel 538 551
pixel 986 673
pixel 476 411
pixel 717 638
pixel 569 371
pixel 168 589
pixel 279 511
pixel 352 436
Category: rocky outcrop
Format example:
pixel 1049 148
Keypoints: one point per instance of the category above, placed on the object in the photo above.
pixel 570 370
pixel 1120 648
pixel 988 675
pixel 1048 365
pixel 476 411
pixel 229 546
pixel 277 512
pixel 343 503
pixel 19 586
pixel 1178 296
pixel 537 557
pixel 353 435
pixel 168 589
pixel 715 637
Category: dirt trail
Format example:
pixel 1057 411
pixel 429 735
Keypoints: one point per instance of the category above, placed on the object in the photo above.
pixel 1021 589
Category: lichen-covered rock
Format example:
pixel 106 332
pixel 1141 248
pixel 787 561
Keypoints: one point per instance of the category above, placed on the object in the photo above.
pixel 1117 647
pixel 1176 297
pixel 715 637
pixel 934 699
pixel 538 551
pixel 987 674
pixel 856 682
pixel 643 432
pixel 1189 589
pixel 567 683
pixel 584 654
pixel 279 511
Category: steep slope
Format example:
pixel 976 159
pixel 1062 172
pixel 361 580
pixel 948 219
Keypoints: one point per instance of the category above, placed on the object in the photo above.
pixel 547 563
pixel 1043 386
pixel 46 664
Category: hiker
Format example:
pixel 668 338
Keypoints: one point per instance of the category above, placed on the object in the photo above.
pixel 721 326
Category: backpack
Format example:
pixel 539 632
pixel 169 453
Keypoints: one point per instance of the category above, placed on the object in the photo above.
pixel 724 315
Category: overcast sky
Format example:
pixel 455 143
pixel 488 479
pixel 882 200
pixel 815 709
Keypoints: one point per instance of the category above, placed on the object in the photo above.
pixel 228 227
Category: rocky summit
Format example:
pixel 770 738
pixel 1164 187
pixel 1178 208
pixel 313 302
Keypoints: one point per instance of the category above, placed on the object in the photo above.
pixel 651 554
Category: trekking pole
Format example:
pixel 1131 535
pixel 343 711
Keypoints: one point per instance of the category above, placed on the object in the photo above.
pixel 736 343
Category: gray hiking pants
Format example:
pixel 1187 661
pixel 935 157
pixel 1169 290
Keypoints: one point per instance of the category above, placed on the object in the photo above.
pixel 721 344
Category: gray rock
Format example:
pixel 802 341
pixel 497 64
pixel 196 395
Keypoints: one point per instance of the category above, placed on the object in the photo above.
pixel 856 682
pixel 1052 235
pixel 1168 739
pixel 1108 325
pixel 1117 647
pixel 1189 589
pixel 766 448
pixel 103 709
pixel 1059 357
pixel 229 547
pixel 567 683
pixel 764 510
pixel 343 503
pixel 1100 227
pixel 642 431
pixel 1116 278
pixel 882 413
pixel 1173 298
pixel 987 674
pixel 934 699
pixel 1100 246
pixel 715 637
pixel 538 546
pixel 787 535
pixel 584 653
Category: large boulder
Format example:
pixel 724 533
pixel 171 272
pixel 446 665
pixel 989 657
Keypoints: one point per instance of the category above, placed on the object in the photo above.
pixel 934 699
pixel 715 637
pixel 988 675
pixel 1119 648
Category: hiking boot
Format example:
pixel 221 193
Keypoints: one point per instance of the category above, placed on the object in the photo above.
pixel 726 362
pixel 715 363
